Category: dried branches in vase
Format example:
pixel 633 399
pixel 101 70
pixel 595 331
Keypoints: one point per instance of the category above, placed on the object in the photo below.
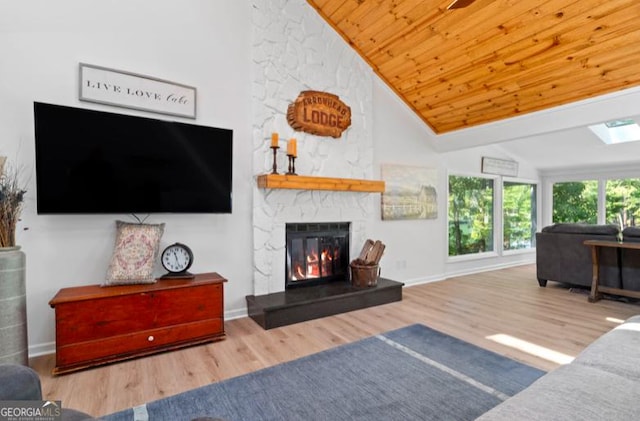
pixel 11 198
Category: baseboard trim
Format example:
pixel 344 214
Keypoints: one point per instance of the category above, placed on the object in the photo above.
pixel 39 350
pixel 488 268
pixel 425 280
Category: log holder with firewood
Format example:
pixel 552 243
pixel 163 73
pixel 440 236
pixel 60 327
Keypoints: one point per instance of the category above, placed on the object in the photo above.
pixel 365 270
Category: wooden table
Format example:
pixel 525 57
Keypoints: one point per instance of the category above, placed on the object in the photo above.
pixel 596 289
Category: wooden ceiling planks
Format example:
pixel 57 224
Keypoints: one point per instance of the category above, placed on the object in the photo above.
pixel 535 98
pixel 529 65
pixel 494 59
pixel 372 23
pixel 558 71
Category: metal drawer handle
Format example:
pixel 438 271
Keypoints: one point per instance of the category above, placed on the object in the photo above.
pixel 150 338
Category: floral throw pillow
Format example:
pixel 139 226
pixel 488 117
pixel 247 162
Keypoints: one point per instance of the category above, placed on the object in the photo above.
pixel 135 253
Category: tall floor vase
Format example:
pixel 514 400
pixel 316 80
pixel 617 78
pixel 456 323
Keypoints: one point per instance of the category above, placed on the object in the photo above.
pixel 13 307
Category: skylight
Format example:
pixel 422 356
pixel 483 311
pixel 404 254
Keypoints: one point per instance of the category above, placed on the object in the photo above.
pixel 619 123
pixel 617 131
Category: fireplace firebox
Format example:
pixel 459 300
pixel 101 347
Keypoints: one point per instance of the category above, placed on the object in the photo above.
pixel 316 253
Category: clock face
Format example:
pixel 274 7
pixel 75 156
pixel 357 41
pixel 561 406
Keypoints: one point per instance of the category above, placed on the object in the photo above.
pixel 177 258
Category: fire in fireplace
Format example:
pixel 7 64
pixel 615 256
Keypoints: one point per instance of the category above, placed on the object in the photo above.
pixel 316 253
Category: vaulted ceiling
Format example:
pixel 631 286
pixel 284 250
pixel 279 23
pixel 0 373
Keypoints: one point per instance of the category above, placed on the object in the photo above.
pixel 493 59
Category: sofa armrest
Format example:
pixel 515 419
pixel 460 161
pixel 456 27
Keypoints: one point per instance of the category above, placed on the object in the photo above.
pixel 19 383
pixel 22 383
pixel 602 383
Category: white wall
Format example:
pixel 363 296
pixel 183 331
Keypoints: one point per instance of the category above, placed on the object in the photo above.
pixel 414 252
pixel 201 43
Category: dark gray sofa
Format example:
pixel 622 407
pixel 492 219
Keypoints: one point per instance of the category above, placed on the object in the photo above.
pixel 562 256
pixel 630 260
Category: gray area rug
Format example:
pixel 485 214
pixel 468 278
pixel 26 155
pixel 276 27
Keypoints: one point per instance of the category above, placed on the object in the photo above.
pixel 413 373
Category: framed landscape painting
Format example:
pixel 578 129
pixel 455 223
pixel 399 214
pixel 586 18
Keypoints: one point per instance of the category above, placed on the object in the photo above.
pixel 410 192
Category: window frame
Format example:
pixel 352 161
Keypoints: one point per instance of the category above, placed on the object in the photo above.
pixel 498 222
pixel 536 221
pixel 597 173
pixel 601 204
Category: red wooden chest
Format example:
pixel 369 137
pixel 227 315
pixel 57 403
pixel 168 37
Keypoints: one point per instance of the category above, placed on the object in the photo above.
pixel 96 325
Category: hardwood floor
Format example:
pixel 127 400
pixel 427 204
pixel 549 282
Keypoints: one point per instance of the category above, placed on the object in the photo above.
pixel 504 311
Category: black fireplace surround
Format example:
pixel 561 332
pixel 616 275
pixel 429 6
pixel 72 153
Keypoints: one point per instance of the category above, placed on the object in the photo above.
pixel 317 253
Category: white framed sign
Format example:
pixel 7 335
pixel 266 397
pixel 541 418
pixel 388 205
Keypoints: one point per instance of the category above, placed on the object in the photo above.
pixel 124 89
pixel 499 166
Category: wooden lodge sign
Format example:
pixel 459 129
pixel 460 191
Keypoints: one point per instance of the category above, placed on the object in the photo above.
pixel 319 113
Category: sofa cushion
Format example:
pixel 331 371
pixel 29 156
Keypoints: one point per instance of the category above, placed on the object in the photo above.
pixel 591 229
pixel 616 351
pixel 572 392
pixel 630 260
pixel 602 383
pixel 633 232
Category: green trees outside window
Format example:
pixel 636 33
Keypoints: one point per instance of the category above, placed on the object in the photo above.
pixel 519 215
pixel 471 207
pixel 623 202
pixel 575 201
pixel 470 215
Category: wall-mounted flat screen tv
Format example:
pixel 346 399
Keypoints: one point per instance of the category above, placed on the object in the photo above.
pixel 94 162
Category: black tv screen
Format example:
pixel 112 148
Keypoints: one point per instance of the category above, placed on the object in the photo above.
pixel 93 162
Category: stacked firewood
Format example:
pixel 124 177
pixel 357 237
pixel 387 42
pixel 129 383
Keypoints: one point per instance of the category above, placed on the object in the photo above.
pixel 371 253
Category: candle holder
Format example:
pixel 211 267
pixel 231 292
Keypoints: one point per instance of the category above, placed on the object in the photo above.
pixel 274 168
pixel 292 165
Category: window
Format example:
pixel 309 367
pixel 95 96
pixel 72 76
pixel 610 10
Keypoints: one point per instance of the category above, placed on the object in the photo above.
pixel 575 201
pixel 519 215
pixel 623 202
pixel 470 215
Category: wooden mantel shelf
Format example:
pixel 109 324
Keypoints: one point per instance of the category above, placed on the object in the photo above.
pixel 302 182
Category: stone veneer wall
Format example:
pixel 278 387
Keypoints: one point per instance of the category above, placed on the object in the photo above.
pixel 295 50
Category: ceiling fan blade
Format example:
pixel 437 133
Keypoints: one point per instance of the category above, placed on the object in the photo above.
pixel 459 4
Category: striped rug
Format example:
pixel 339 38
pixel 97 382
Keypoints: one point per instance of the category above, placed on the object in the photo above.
pixel 413 373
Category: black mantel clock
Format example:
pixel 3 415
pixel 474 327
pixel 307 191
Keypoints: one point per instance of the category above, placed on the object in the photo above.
pixel 177 259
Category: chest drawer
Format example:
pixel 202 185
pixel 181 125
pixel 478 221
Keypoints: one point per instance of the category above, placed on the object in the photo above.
pixel 138 343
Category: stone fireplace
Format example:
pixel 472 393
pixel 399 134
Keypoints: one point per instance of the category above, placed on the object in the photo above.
pixel 285 65
pixel 315 58
pixel 316 253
